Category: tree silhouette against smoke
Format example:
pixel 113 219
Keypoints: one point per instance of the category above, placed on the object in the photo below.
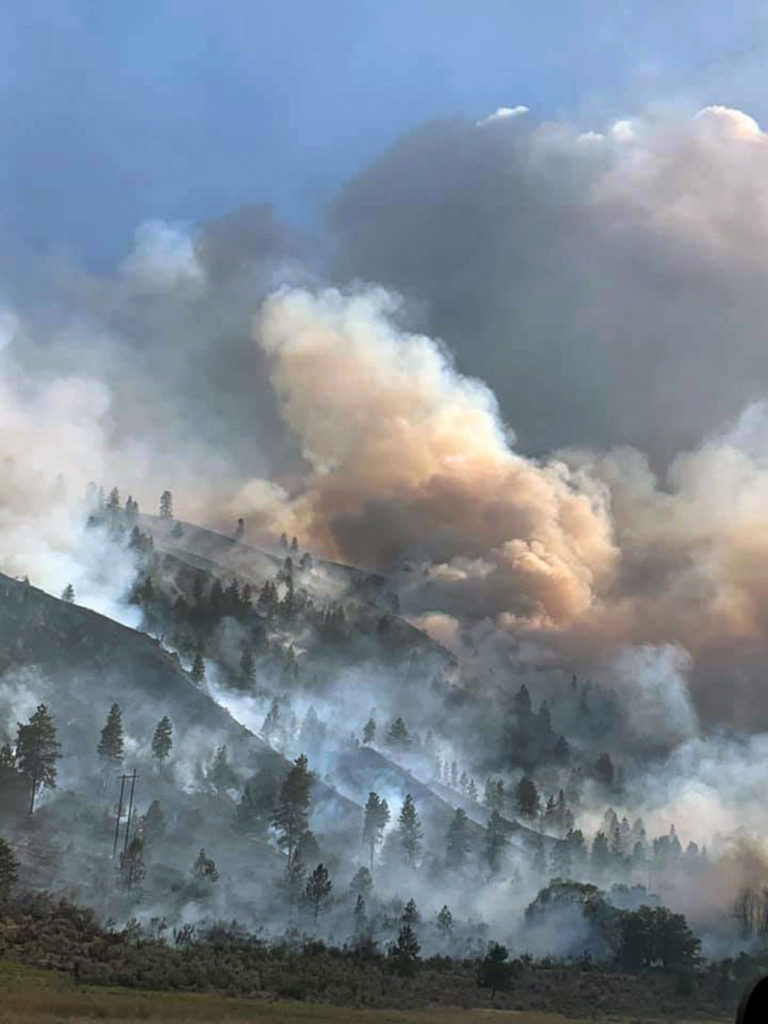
pixel 409 832
pixel 162 740
pixel 317 890
pixel 37 752
pixel 458 840
pixel 376 820
pixel 110 747
pixel 290 816
pixel 166 505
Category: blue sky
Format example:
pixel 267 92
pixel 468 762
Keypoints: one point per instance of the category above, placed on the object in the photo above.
pixel 182 109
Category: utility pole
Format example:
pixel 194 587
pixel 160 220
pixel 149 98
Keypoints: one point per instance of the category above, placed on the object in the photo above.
pixel 119 814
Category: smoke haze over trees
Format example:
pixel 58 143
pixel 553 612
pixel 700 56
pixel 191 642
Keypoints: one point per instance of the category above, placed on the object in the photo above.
pixel 406 587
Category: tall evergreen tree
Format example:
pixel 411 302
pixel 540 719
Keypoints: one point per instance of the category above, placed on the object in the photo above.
pixel 495 842
pixel 166 505
pixel 527 799
pixel 247 669
pixel 290 816
pixel 409 831
pixel 369 732
pixel 376 820
pixel 132 867
pixel 405 952
pixel 444 921
pixel 317 890
pixel 110 746
pixel 458 841
pixel 68 594
pixel 398 735
pixel 221 774
pixel 197 672
pixel 162 741
pixel 37 752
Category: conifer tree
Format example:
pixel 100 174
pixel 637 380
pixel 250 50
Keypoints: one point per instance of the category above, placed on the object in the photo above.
pixel 9 869
pixel 405 951
pixel 162 741
pixel 495 842
pixel 204 869
pixel 527 799
pixel 290 816
pixel 472 790
pixel 166 505
pixel 197 672
pixel 317 890
pixel 362 883
pixel 600 854
pixel 444 921
pixel 409 831
pixel 272 721
pixel 411 913
pixel 154 823
pixel 458 841
pixel 68 594
pixel 110 747
pixel 132 867
pixel 221 773
pixel 247 669
pixel 37 752
pixel 369 732
pixel 398 735
pixel 376 820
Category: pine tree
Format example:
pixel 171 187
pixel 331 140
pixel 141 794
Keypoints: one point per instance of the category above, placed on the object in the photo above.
pixel 290 816
pixel 411 913
pixel 132 868
pixel 458 841
pixel 495 842
pixel 601 854
pixel 604 770
pixel 221 774
pixel 362 883
pixel 247 669
pixel 444 921
pixel 376 820
pixel 317 890
pixel 9 869
pixel 162 741
pixel 472 790
pixel 369 732
pixel 204 869
pixel 494 972
pixel 110 747
pixel 405 951
pixel 197 672
pixel 398 735
pixel 154 823
pixel 271 722
pixel 527 798
pixel 68 594
pixel 409 831
pixel 37 752
pixel 166 505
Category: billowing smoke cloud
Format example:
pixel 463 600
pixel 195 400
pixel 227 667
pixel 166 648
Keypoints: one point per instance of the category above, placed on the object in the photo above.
pixel 410 457
pixel 610 285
